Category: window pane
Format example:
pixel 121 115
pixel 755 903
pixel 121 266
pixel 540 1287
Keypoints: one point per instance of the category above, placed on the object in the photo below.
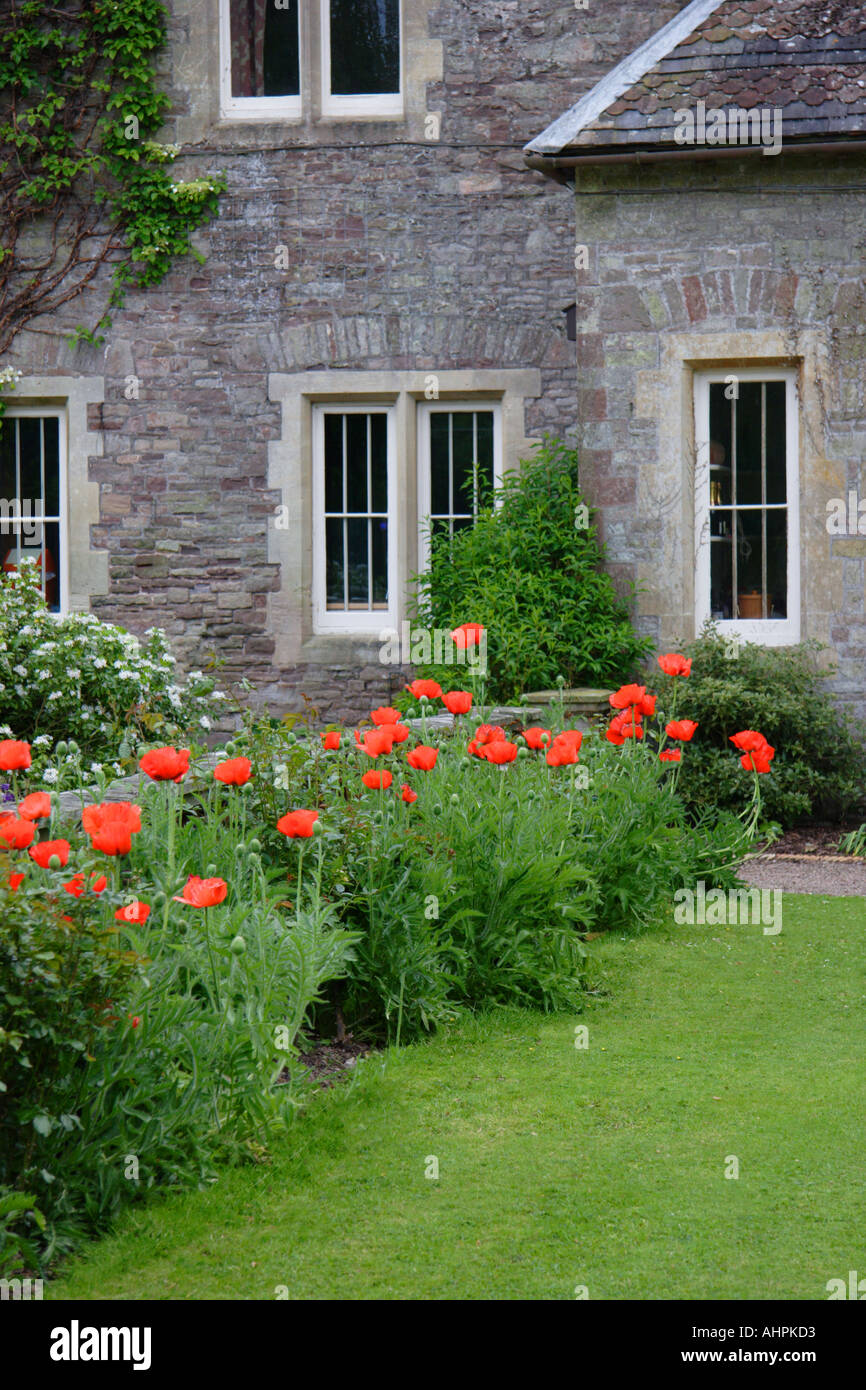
pixel 380 563
pixel 356 463
pixel 264 48
pixel 52 466
pixel 379 461
pixel 777 563
pixel 365 47
pixel 335 596
pixel 51 565
pixel 30 446
pixel 721 571
pixel 749 564
pixel 777 489
pixel 463 423
pixel 7 459
pixel 358 561
pixel 749 443
pixel 720 447
pixel 333 463
pixel 439 431
pixel 484 453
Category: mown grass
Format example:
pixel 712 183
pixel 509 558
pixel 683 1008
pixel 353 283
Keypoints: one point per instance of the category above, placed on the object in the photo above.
pixel 561 1167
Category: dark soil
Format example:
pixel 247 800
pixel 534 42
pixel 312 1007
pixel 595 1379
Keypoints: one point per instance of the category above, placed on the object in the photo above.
pixel 327 1062
pixel 811 839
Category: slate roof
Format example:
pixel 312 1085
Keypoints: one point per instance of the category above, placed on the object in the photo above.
pixel 807 57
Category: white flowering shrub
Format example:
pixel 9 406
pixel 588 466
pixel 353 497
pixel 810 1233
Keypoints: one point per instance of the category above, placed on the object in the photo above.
pixel 77 678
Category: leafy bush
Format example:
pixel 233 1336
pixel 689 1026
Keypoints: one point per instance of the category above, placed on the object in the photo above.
pixel 531 575
pixel 81 679
pixel 820 765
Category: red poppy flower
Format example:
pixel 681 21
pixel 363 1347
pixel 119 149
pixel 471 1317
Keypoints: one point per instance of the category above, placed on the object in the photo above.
pixel 15 880
pixel 423 758
pixel 628 695
pixel 36 806
pixel 377 781
pixel 331 740
pixel 625 725
pixel 203 892
pixel 670 755
pixel 646 705
pixel 457 701
pixel 406 794
pixel 759 760
pixel 136 1020
pixel 429 690
pixel 75 886
pixel 467 635
pixel 749 741
pixel 500 751
pixel 42 852
pixel 573 736
pixel 385 715
pixel 675 665
pixel 298 825
pixel 681 729
pixel 378 741
pixel 111 825
pixel 489 733
pixel 14 755
pixel 399 733
pixel 166 764
pixel 16 834
pixel 235 772
pixel 537 738
pixel 562 752
pixel 135 912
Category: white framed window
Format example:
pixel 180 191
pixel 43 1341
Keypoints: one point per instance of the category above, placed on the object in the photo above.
pixel 459 466
pixel 33 497
pixel 747 503
pixel 362 58
pixel 353 496
pixel 260 59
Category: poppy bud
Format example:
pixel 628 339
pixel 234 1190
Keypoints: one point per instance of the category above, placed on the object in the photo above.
pixel 560 681
pixel 254 861
pixel 211 870
pixel 61 748
pixel 238 946
pixel 455 799
pixel 523 752
pixel 255 846
pixel 318 828
pixel 73 746
pixel 54 862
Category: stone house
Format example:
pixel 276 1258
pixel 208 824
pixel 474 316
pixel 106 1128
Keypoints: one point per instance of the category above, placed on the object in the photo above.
pixel 250 459
pixel 719 174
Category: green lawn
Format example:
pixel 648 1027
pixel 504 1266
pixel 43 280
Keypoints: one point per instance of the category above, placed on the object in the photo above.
pixel 560 1167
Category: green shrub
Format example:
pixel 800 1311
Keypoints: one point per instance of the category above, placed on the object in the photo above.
pixel 81 679
pixel 819 769
pixel 533 578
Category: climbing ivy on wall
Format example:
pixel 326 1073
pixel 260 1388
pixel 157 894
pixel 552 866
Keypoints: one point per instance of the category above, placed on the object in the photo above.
pixel 83 182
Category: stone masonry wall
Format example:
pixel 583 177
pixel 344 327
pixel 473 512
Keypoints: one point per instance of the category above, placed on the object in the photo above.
pixel 404 255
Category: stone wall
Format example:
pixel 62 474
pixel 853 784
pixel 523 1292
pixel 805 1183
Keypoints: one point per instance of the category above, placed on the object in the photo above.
pixel 737 260
pixel 404 254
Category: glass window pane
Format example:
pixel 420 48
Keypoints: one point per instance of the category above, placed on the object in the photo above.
pixel 777 484
pixel 380 563
pixel 30 445
pixel 484 452
pixel 720 446
pixel 777 563
pixel 749 567
pixel 358 562
pixel 52 466
pixel 356 462
pixel 333 463
pixel 365 47
pixel 749 443
pixel 264 48
pixel 8 430
pixel 721 574
pixel 379 461
pixel 51 564
pixel 335 596
pixel 439 434
pixel 463 426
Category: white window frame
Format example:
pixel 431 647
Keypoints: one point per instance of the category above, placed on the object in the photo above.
pixel 378 104
pixel 770 632
pixel 48 412
pixel 255 108
pixel 425 410
pixel 369 620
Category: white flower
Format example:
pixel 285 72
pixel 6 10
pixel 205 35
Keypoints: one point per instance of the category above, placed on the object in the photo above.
pixel 20 670
pixel 55 695
pixel 50 774
pixel 40 740
pixel 96 768
pixel 205 722
pixel 74 673
pixel 99 662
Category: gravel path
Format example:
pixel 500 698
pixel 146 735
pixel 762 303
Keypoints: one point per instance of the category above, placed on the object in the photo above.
pixel 834 876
